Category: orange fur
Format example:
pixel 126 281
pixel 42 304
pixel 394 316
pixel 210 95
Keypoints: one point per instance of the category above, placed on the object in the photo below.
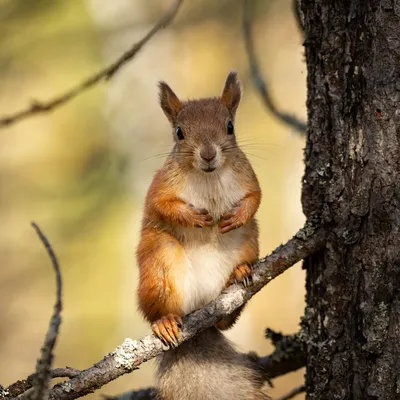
pixel 249 253
pixel 226 199
pixel 159 256
pixel 242 213
pixel 162 203
pixel 240 274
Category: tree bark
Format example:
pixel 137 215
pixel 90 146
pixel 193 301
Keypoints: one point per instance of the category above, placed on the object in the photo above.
pixel 352 181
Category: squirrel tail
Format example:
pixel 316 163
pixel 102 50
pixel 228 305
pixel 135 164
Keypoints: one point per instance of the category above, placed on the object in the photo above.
pixel 208 367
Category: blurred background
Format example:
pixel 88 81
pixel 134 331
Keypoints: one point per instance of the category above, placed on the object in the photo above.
pixel 82 171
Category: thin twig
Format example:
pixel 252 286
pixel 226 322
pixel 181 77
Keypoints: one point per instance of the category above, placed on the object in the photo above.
pixel 257 78
pixel 103 75
pixel 293 393
pixel 43 366
pixel 22 386
pixel 128 356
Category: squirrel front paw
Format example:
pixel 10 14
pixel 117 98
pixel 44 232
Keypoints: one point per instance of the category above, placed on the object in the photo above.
pixel 231 220
pixel 201 218
pixel 241 274
pixel 167 329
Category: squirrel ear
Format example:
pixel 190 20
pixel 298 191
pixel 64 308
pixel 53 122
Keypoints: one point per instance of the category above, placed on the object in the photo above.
pixel 232 92
pixel 169 102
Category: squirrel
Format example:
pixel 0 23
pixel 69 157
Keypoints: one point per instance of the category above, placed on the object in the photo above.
pixel 198 236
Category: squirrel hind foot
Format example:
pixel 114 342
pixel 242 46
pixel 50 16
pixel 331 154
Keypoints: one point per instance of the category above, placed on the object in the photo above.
pixel 241 274
pixel 167 329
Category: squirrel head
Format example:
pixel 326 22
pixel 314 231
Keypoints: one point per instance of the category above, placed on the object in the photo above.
pixel 203 129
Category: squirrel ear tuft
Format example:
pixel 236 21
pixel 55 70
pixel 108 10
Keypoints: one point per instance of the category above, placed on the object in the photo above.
pixel 169 102
pixel 232 92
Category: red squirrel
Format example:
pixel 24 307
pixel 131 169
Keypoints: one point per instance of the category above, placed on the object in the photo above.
pixel 198 236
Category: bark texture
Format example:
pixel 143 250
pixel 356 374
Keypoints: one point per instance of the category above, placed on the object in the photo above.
pixel 352 181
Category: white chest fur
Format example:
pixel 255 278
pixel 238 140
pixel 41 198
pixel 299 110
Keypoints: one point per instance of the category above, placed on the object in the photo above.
pixel 211 256
pixel 217 192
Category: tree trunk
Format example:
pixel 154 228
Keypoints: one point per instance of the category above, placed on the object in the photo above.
pixel 352 182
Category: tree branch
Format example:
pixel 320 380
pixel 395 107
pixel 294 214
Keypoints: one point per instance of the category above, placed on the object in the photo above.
pixel 289 355
pixel 128 356
pixel 42 377
pixel 22 386
pixel 256 76
pixel 105 74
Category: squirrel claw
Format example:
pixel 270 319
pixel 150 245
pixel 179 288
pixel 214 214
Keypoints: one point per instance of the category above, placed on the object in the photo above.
pixel 241 274
pixel 228 224
pixel 203 217
pixel 178 321
pixel 167 329
pixel 230 220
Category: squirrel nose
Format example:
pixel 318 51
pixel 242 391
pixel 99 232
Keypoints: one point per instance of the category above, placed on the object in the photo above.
pixel 208 153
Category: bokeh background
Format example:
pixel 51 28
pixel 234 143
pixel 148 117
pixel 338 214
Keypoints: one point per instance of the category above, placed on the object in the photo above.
pixel 82 171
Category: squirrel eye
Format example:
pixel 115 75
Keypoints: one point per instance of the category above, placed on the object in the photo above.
pixel 229 128
pixel 179 133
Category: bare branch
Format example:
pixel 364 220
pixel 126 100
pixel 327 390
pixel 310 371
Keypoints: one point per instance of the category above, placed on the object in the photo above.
pixel 43 366
pixel 289 355
pixel 22 386
pixel 256 76
pixel 105 74
pixel 293 393
pixel 128 356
